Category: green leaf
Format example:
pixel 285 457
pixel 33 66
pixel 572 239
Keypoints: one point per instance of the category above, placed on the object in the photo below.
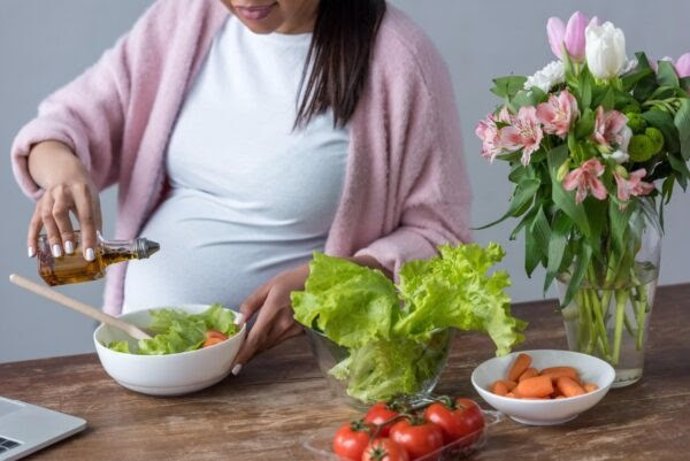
pixel 560 231
pixel 531 97
pixel 562 199
pixel 582 261
pixel 525 221
pixel 507 87
pixel 685 84
pixel 541 230
pixel 666 74
pixel 664 122
pixel 667 189
pixel 630 80
pixel 682 124
pixel 586 83
pixel 532 254
pixel 585 125
pixel 680 168
pixel 603 96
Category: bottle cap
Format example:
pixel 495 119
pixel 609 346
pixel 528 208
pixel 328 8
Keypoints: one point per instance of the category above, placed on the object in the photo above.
pixel 146 248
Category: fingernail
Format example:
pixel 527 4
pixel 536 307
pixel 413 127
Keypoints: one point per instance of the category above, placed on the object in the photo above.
pixel 31 252
pixel 57 250
pixel 69 247
pixel 239 319
pixel 236 369
pixel 89 255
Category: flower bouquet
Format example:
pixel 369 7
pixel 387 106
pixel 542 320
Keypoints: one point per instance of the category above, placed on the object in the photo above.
pixel 596 143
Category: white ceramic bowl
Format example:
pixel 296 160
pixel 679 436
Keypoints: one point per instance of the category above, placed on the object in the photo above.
pixel 544 412
pixel 172 374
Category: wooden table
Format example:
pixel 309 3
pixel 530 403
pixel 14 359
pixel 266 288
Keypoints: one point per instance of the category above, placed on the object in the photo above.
pixel 281 397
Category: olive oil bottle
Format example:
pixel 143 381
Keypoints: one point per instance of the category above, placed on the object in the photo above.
pixel 73 268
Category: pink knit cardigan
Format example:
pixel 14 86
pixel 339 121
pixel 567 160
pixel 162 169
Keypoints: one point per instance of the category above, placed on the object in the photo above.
pixel 406 190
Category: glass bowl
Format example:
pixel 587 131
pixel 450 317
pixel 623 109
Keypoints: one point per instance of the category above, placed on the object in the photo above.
pixel 381 370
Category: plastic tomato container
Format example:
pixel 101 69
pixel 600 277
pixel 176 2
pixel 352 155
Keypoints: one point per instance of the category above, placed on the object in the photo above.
pixel 318 445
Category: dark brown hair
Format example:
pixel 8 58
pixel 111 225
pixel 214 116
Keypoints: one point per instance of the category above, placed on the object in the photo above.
pixel 341 47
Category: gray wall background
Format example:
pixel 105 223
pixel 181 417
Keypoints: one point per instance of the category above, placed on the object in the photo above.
pixel 44 44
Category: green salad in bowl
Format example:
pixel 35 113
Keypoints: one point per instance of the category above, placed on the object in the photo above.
pixel 378 339
pixel 175 330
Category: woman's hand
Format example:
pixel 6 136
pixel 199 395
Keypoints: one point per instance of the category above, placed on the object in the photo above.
pixel 68 188
pixel 275 319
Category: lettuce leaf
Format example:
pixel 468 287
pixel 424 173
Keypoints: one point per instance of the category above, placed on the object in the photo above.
pixel 351 303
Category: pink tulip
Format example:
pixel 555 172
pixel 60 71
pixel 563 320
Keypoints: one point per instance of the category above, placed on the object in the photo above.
pixel 558 113
pixel 683 66
pixel 586 179
pixel 633 186
pixel 525 133
pixel 611 128
pixel 570 36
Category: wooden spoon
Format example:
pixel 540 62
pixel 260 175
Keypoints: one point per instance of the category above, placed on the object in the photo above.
pixel 55 296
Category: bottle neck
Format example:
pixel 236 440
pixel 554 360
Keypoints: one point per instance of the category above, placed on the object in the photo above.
pixel 121 250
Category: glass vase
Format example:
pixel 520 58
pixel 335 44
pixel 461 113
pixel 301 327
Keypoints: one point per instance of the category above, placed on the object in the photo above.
pixel 608 314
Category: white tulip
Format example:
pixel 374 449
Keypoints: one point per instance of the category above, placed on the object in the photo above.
pixel 605 50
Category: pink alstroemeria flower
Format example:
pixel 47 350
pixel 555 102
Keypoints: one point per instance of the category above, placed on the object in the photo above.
pixel 632 186
pixel 558 113
pixel 611 128
pixel 683 66
pixel 525 133
pixel 586 179
pixel 570 36
pixel 490 134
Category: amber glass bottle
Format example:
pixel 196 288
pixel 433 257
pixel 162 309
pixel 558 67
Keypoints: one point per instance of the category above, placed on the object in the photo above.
pixel 74 268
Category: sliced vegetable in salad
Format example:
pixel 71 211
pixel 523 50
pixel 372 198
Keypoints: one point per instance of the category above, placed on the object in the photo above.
pixel 176 331
pixel 379 322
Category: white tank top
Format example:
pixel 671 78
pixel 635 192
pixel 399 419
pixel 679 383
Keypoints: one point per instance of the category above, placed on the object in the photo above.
pixel 250 197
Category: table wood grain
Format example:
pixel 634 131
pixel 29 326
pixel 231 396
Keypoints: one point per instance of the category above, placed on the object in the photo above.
pixel 281 398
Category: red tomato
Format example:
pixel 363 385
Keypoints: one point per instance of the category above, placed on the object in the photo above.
pixel 455 418
pixel 417 436
pixel 378 414
pixel 214 337
pixel 351 440
pixel 384 449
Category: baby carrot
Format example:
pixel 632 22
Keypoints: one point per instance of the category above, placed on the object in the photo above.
pixel 538 386
pixel 557 372
pixel 569 387
pixel 590 387
pixel 520 364
pixel 499 388
pixel 531 372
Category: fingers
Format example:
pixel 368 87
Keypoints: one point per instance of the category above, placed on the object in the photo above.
pixel 52 213
pixel 273 325
pixel 89 215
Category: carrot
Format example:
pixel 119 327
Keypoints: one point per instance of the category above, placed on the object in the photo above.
pixel 499 388
pixel 531 372
pixel 590 387
pixel 520 364
pixel 557 372
pixel 569 387
pixel 538 386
